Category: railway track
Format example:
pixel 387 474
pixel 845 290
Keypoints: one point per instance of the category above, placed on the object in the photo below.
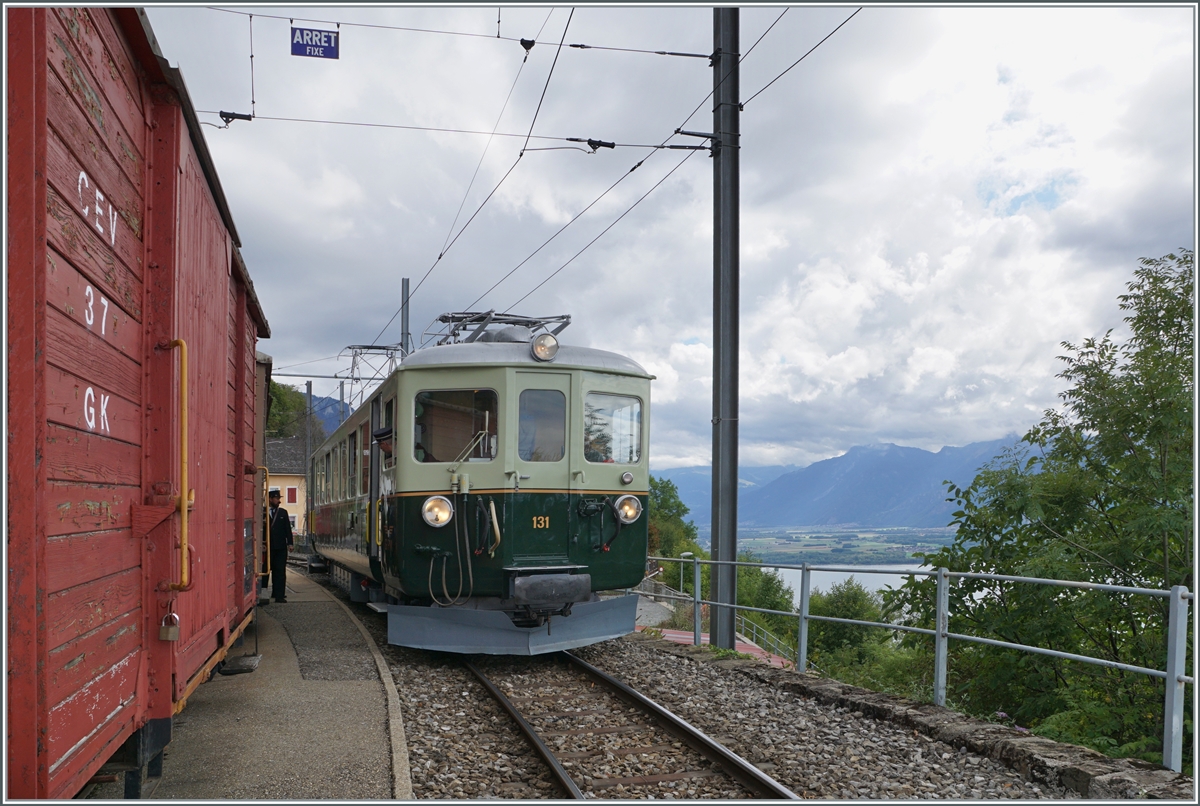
pixel 601 738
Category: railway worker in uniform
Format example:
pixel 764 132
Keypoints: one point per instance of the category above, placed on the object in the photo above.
pixel 281 546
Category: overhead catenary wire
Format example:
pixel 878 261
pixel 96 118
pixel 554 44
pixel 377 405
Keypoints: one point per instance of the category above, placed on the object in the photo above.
pixel 605 230
pixel 653 149
pixel 802 58
pixel 677 130
pixel 546 243
pixel 302 363
pixel 530 136
pixel 762 36
pixel 471 184
pixel 548 76
pixel 443 130
pixel 664 145
pixel 442 254
pixel 741 59
pixel 436 129
pixel 578 46
pixel 482 204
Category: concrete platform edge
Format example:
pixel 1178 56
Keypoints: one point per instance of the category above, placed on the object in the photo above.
pixel 401 773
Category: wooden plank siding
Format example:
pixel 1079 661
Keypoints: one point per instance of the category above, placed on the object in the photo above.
pixel 99 95
pixel 73 508
pixel 119 241
pixel 94 174
pixel 73 664
pixel 203 264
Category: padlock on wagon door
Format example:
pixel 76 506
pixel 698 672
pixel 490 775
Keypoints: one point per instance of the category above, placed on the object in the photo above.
pixel 169 632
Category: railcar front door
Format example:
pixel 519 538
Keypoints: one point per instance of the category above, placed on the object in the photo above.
pixel 539 517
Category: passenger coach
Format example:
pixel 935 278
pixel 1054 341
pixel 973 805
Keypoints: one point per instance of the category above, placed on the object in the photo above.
pixel 490 489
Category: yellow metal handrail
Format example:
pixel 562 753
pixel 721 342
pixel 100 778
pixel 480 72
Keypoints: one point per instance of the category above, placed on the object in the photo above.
pixel 265 563
pixel 379 522
pixel 187 497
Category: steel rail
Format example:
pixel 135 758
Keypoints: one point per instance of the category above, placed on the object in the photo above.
pixel 763 785
pixel 564 779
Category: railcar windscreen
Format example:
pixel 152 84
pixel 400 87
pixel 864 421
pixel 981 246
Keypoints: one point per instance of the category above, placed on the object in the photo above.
pixel 612 429
pixel 543 425
pixel 455 425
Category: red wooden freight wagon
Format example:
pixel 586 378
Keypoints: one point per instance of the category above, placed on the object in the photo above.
pixel 133 494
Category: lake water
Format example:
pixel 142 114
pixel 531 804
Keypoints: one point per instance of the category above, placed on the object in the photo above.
pixel 872 582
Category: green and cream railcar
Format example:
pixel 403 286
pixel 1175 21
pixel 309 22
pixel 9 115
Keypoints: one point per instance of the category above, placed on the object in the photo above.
pixel 490 489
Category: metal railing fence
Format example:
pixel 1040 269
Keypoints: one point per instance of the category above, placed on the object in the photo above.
pixel 1175 675
pixel 755 633
pixel 760 636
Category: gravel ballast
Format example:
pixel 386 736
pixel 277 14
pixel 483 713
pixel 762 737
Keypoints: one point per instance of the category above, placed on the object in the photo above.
pixel 816 750
pixel 1056 770
pixel 820 738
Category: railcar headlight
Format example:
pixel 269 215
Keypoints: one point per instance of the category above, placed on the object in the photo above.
pixel 437 510
pixel 544 347
pixel 629 509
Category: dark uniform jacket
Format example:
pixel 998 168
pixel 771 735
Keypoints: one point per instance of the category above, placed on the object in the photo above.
pixel 281 529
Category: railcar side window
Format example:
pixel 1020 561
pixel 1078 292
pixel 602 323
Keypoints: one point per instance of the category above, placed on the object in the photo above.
pixel 352 477
pixel 341 492
pixel 453 426
pixel 388 424
pixel 328 478
pixel 364 487
pixel 612 429
pixel 542 436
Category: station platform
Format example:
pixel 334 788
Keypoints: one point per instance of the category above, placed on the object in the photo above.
pixel 315 719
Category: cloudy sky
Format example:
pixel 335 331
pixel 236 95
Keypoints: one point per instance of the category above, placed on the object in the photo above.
pixel 931 202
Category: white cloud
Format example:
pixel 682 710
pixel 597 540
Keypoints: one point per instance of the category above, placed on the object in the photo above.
pixel 930 203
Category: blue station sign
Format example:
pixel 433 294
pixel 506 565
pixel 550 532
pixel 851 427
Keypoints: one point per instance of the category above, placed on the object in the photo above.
pixel 314 42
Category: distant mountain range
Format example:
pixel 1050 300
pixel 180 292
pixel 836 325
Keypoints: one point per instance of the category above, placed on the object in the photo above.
pixel 326 409
pixel 868 486
pixel 695 485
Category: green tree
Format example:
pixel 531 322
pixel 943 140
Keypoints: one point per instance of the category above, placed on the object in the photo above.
pixel 765 588
pixel 670 534
pixel 285 417
pixel 1099 491
pixel 850 600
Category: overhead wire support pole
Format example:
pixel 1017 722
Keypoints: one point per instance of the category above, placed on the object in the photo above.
pixel 405 337
pixel 308 477
pixel 251 67
pixel 726 244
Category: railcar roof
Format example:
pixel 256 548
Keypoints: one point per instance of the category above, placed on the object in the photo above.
pixel 502 353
